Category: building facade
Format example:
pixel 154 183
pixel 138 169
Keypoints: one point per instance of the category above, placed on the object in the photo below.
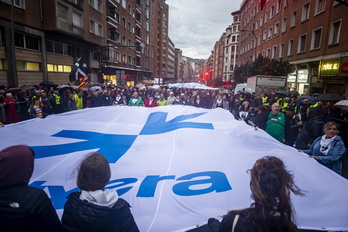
pixel 125 41
pixel 308 34
pixel 231 47
pixel 218 58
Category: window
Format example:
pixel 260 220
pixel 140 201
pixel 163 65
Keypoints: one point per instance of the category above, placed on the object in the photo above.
pixel 27 66
pixel 124 41
pixel 19 3
pixel 293 19
pixel 270 33
pixel 291 47
pixel 276 28
pixel 27 41
pixel 96 4
pixel 268 52
pixel 124 4
pixel 129 26
pixel 284 24
pixel 76 19
pixel 95 28
pixel 62 12
pixel 302 43
pixel 274 52
pixel 335 30
pixel 278 6
pixel 271 12
pixel 32 42
pixel 58 48
pixel 316 38
pixel 305 11
pixel 281 50
pixel 264 36
pixel 266 16
pixel 286 3
pixel 58 68
pixel 129 9
pixel 124 22
pixel 261 20
pixel 319 6
pixel 33 66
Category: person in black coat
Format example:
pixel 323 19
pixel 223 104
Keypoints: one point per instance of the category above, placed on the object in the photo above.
pixel 96 208
pixel 22 207
pixel 260 119
pixel 270 185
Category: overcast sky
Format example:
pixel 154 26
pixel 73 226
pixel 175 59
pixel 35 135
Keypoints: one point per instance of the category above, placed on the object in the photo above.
pixel 195 25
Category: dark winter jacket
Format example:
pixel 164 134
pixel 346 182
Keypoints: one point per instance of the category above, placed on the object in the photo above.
pixel 87 217
pixel 23 208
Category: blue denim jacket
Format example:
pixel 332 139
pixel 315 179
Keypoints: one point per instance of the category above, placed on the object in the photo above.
pixel 333 158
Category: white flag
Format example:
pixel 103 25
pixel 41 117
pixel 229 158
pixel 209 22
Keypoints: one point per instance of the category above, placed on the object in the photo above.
pixel 177 166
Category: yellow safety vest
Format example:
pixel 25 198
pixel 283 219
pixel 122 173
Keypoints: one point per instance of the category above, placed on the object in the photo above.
pixel 264 100
pixel 57 99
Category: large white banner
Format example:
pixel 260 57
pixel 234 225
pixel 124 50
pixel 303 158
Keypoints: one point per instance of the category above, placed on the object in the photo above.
pixel 177 166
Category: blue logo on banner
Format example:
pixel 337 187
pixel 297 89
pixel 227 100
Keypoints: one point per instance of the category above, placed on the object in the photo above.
pixel 114 146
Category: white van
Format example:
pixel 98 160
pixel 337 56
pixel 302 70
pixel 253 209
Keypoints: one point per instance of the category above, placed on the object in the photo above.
pixel 240 87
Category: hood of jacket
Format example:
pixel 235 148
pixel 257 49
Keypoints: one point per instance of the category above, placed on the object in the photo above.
pixel 16 165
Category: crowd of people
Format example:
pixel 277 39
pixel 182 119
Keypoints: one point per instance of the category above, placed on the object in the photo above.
pixel 291 119
pixel 299 121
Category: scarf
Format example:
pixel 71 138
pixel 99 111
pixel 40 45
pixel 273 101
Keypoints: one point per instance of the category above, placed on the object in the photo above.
pixel 325 144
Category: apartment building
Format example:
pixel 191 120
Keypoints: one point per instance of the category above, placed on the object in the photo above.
pixel 231 47
pixel 161 40
pixel 171 60
pixel 218 57
pixel 309 34
pixel 125 40
pixel 179 66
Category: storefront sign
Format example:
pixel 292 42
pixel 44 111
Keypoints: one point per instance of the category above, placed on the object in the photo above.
pixel 344 67
pixel 329 68
pixel 292 77
pixel 302 76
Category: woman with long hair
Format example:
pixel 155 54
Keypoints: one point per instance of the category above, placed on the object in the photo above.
pixel 270 185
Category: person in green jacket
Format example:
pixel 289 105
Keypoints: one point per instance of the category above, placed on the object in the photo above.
pixel 275 125
pixel 135 100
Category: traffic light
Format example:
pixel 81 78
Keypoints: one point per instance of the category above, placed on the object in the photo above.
pixel 206 74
